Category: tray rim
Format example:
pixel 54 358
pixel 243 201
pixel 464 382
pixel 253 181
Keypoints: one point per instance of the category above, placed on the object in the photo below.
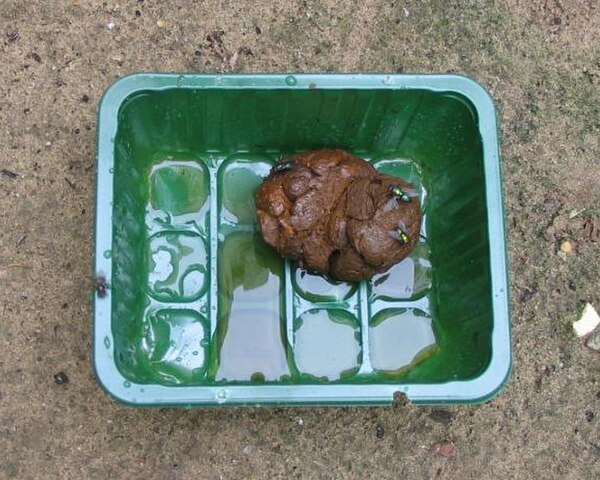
pixel 479 389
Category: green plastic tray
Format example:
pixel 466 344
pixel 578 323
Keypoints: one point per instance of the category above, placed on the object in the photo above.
pixel 199 311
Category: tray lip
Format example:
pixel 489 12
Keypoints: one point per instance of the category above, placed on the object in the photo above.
pixel 478 389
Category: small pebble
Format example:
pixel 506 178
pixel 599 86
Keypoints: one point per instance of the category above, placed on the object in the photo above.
pixel 61 378
pixel 12 36
pixel 589 415
pixel 111 25
pixel 566 247
pixel 445 449
pixel 593 342
pixel 161 24
pixel 379 431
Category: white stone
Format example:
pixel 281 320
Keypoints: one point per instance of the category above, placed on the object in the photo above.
pixel 588 322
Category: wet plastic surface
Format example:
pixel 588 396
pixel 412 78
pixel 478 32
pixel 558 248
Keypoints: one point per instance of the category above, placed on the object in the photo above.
pixel 200 311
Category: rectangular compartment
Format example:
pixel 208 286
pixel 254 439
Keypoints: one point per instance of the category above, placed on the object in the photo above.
pixel 200 311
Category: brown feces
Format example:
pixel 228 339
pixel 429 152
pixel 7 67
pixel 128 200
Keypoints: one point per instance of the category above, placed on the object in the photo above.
pixel 336 215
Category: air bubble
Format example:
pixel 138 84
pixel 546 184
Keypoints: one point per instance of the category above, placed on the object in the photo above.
pixel 107 253
pixel 291 80
pixel 222 396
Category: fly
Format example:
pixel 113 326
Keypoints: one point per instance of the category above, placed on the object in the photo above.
pixel 404 195
pixel 400 234
pixel 283 164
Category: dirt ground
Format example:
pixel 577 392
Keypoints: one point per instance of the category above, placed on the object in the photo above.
pixel 541 62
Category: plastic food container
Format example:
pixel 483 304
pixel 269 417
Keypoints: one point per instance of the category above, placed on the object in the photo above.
pixel 192 308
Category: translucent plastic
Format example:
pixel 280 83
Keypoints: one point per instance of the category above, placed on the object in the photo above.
pixel 201 311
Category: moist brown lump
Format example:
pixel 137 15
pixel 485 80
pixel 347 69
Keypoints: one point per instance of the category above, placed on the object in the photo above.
pixel 336 215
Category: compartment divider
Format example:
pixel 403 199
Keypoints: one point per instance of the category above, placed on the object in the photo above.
pixel 212 267
pixel 289 303
pixel 363 301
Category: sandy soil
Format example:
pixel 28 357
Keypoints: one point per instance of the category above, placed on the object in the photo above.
pixel 541 62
